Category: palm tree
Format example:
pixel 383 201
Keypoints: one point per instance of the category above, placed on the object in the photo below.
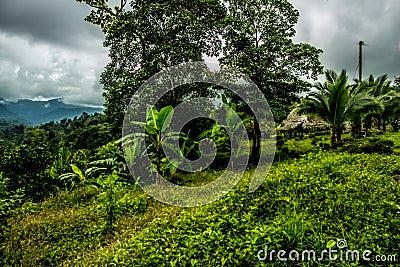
pixel 358 117
pixel 335 102
pixel 386 98
pixel 396 82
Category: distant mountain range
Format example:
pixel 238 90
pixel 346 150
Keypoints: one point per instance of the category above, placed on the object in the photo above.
pixel 35 112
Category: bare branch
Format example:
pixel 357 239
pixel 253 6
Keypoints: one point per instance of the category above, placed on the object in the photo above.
pixel 101 5
pixel 123 4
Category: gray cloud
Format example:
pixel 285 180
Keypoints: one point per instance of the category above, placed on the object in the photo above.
pixel 336 26
pixel 48 50
pixel 58 22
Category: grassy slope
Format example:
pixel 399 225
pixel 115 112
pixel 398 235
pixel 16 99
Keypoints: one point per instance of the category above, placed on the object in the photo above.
pixel 303 204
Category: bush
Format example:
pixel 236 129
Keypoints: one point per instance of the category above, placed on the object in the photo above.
pixel 369 146
pixel 314 141
pixel 293 148
pixel 131 205
pixel 307 203
pixel 26 167
pixel 379 146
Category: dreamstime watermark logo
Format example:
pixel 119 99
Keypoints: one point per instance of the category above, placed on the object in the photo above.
pixel 330 254
pixel 341 243
pixel 148 174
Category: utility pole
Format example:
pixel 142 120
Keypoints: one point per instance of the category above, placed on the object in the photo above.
pixel 360 45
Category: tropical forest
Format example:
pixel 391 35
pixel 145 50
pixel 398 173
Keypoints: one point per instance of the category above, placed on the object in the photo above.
pixel 311 174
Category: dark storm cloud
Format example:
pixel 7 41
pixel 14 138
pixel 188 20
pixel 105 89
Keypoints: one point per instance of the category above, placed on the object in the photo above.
pixel 47 50
pixel 53 21
pixel 336 26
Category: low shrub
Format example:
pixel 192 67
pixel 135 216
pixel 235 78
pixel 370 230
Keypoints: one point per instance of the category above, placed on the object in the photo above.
pixel 369 146
pixel 130 204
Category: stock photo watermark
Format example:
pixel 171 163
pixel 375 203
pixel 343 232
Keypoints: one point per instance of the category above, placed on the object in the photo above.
pixel 141 118
pixel 340 253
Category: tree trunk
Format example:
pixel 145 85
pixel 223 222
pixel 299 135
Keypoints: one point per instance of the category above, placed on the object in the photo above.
pixel 356 126
pixel 338 135
pixel 356 130
pixel 367 125
pixel 255 148
pixel 384 126
pixel 395 126
pixel 333 139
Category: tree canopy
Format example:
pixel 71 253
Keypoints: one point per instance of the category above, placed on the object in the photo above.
pixel 254 36
pixel 258 41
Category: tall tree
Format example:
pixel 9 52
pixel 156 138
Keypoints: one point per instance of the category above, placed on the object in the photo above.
pixel 152 35
pixel 258 41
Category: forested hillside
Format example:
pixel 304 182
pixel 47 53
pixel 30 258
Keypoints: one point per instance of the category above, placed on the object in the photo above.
pixel 264 158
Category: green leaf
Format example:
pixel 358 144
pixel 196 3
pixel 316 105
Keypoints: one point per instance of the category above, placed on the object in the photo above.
pixel 76 170
pixel 163 119
pixel 330 244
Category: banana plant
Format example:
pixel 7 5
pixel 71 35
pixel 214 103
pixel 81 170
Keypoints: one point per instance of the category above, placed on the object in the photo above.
pixel 156 141
pixel 219 134
pixel 107 185
pixel 78 177
pixel 61 163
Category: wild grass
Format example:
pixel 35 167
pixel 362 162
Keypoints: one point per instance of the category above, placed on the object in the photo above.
pixel 304 203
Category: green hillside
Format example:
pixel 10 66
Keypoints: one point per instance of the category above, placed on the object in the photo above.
pixel 77 183
pixel 303 204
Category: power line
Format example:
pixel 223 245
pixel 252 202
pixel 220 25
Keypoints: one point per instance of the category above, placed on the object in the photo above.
pixel 361 55
pixel 374 46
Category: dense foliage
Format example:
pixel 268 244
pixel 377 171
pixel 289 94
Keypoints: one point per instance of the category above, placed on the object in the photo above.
pixel 30 159
pixel 67 197
pixel 258 42
pixel 252 36
pixel 369 102
pixel 303 204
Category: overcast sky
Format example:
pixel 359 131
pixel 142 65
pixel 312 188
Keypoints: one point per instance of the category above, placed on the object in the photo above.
pixel 47 49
